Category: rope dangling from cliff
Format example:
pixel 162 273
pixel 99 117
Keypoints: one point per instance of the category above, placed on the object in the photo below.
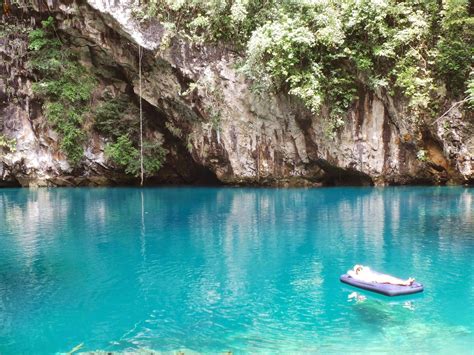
pixel 140 54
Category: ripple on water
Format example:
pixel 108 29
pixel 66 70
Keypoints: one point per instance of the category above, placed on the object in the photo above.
pixel 243 270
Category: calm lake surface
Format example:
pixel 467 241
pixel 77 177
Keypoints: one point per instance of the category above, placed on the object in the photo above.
pixel 233 269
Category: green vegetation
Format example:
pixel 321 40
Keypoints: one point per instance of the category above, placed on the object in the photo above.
pixel 123 153
pixel 116 119
pixel 422 155
pixel 204 20
pixel 64 84
pixel 7 144
pixel 324 51
pixel 66 88
pixel 470 90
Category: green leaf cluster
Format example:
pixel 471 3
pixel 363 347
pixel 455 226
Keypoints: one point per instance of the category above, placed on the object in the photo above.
pixel 470 90
pixel 209 20
pixel 117 119
pixel 454 52
pixel 325 51
pixel 422 155
pixel 124 153
pixel 7 144
pixel 65 86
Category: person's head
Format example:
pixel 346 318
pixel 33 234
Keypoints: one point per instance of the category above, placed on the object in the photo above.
pixel 358 268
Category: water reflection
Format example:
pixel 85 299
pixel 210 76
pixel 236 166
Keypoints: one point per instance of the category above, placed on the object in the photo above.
pixel 223 269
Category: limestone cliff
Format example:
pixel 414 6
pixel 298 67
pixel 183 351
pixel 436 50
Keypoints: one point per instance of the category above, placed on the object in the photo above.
pixel 213 126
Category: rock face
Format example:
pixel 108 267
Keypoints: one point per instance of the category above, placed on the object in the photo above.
pixel 214 127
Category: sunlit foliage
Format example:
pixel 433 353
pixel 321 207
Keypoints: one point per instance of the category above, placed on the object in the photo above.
pixel 324 51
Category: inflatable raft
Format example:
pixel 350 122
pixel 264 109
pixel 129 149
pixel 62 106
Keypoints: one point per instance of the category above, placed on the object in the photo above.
pixel 384 289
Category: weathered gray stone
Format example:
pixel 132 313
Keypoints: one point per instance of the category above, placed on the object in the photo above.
pixel 222 126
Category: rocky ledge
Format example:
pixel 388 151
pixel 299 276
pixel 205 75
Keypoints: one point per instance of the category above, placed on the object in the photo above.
pixel 214 128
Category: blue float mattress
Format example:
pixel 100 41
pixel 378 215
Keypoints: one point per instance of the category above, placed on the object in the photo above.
pixel 384 289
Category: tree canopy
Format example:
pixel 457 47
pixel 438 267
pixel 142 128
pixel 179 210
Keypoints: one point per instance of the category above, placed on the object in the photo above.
pixel 323 51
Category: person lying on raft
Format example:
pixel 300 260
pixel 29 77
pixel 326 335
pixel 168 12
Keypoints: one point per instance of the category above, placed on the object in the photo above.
pixel 364 272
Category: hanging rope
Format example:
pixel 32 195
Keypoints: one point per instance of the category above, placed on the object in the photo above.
pixel 142 234
pixel 140 54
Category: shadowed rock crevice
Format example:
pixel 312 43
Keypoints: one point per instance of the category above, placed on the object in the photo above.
pixel 8 182
pixel 335 176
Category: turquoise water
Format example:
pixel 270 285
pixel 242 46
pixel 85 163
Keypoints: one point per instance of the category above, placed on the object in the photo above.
pixel 245 270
